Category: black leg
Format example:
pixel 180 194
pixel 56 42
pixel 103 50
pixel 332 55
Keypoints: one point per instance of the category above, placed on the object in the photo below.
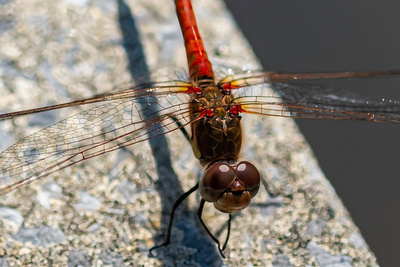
pixel 229 232
pixel 199 213
pixel 176 205
pixel 183 130
pixel 200 210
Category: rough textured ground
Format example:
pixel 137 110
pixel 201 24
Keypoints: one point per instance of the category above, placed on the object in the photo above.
pixel 109 211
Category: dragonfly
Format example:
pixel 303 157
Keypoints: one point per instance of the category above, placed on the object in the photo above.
pixel 212 109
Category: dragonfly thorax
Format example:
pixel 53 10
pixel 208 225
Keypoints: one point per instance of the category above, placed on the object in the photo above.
pixel 217 135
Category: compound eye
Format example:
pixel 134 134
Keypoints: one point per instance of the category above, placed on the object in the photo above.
pixel 249 175
pixel 216 179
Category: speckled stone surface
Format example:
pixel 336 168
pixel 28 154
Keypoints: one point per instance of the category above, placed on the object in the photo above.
pixel 108 211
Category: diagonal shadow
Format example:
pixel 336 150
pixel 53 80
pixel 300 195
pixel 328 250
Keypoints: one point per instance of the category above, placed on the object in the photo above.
pixel 159 146
pixel 168 185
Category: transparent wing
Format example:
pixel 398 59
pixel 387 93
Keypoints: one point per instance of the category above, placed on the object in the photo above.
pixel 313 102
pixel 140 90
pixel 260 77
pixel 93 132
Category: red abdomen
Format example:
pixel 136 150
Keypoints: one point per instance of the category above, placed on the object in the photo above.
pixel 199 66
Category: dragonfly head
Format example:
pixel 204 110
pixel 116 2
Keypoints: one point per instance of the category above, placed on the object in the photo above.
pixel 230 187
